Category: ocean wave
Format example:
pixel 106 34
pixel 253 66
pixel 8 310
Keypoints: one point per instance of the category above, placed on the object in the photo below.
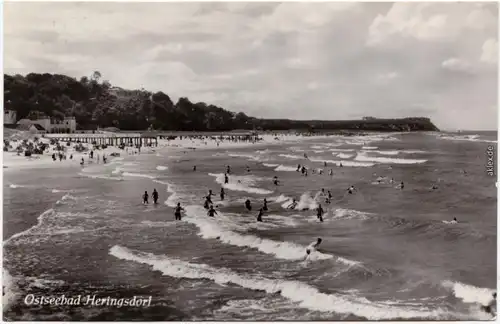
pixel 469 138
pixel 247 156
pixel 40 219
pixel 65 197
pixel 211 228
pixel 341 213
pixel 344 156
pixel 280 198
pixel 139 175
pixel 364 158
pixel 305 295
pixel 270 165
pixel 292 157
pixel 468 293
pixel 285 168
pixel 239 183
pixel 342 150
pixel 308 202
pixel 10 289
pixel 369 147
pixel 344 163
pixel 381 152
pixel 413 151
pixel 14 186
pixel 100 176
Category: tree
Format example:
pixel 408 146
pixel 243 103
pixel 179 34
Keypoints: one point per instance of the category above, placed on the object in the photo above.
pixel 96 76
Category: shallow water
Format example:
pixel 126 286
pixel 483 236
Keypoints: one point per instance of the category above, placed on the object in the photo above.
pixel 386 253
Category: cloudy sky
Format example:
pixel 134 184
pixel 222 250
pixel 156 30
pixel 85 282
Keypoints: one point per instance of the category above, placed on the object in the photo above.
pixel 334 60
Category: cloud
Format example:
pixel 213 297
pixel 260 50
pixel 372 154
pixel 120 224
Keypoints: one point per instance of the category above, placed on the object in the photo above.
pixel 490 51
pixel 280 60
pixel 456 64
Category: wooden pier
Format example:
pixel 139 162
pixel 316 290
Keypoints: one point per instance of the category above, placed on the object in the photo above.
pixel 108 139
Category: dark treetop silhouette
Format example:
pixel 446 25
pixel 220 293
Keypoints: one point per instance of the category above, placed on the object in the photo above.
pixel 96 103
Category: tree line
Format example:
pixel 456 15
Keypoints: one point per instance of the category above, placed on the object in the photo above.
pixel 94 102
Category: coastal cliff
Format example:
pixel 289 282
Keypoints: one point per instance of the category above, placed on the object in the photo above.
pixel 96 103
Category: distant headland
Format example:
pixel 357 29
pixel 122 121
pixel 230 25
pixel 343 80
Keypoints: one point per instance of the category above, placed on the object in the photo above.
pixel 97 104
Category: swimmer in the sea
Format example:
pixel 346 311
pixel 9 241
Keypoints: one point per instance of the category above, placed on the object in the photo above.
pixel 351 189
pixel 228 170
pixel 226 178
pixel 313 246
pixel 275 181
pixel 194 168
pixel 265 205
pixel 454 221
pixel 402 185
pixel 211 212
pixel 319 213
pixel 222 193
pixel 248 168
pixel 298 168
pixel 259 217
pixel 293 204
pixel 177 211
pixel 155 196
pixel 145 197
pixel 248 204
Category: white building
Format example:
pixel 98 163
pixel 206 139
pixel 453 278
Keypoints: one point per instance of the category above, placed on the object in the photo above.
pixel 67 125
pixel 9 117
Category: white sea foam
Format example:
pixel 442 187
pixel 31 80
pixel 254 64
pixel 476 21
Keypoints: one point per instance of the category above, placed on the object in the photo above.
pixel 369 147
pixel 344 156
pixel 292 157
pixel 381 152
pixel 270 165
pixel 247 156
pixel 161 168
pixel 342 150
pixel 139 175
pixel 413 151
pixel 469 293
pixel 98 176
pixel 117 170
pixel 280 198
pixel 285 168
pixel 362 157
pixel 350 214
pixel 10 289
pixel 213 228
pixel 45 214
pixel 306 201
pixel 344 163
pixel 305 295
pixel 469 138
pixel 239 183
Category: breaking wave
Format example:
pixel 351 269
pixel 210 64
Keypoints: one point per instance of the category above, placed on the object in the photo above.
pixel 362 157
pixel 239 183
pixel 305 295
